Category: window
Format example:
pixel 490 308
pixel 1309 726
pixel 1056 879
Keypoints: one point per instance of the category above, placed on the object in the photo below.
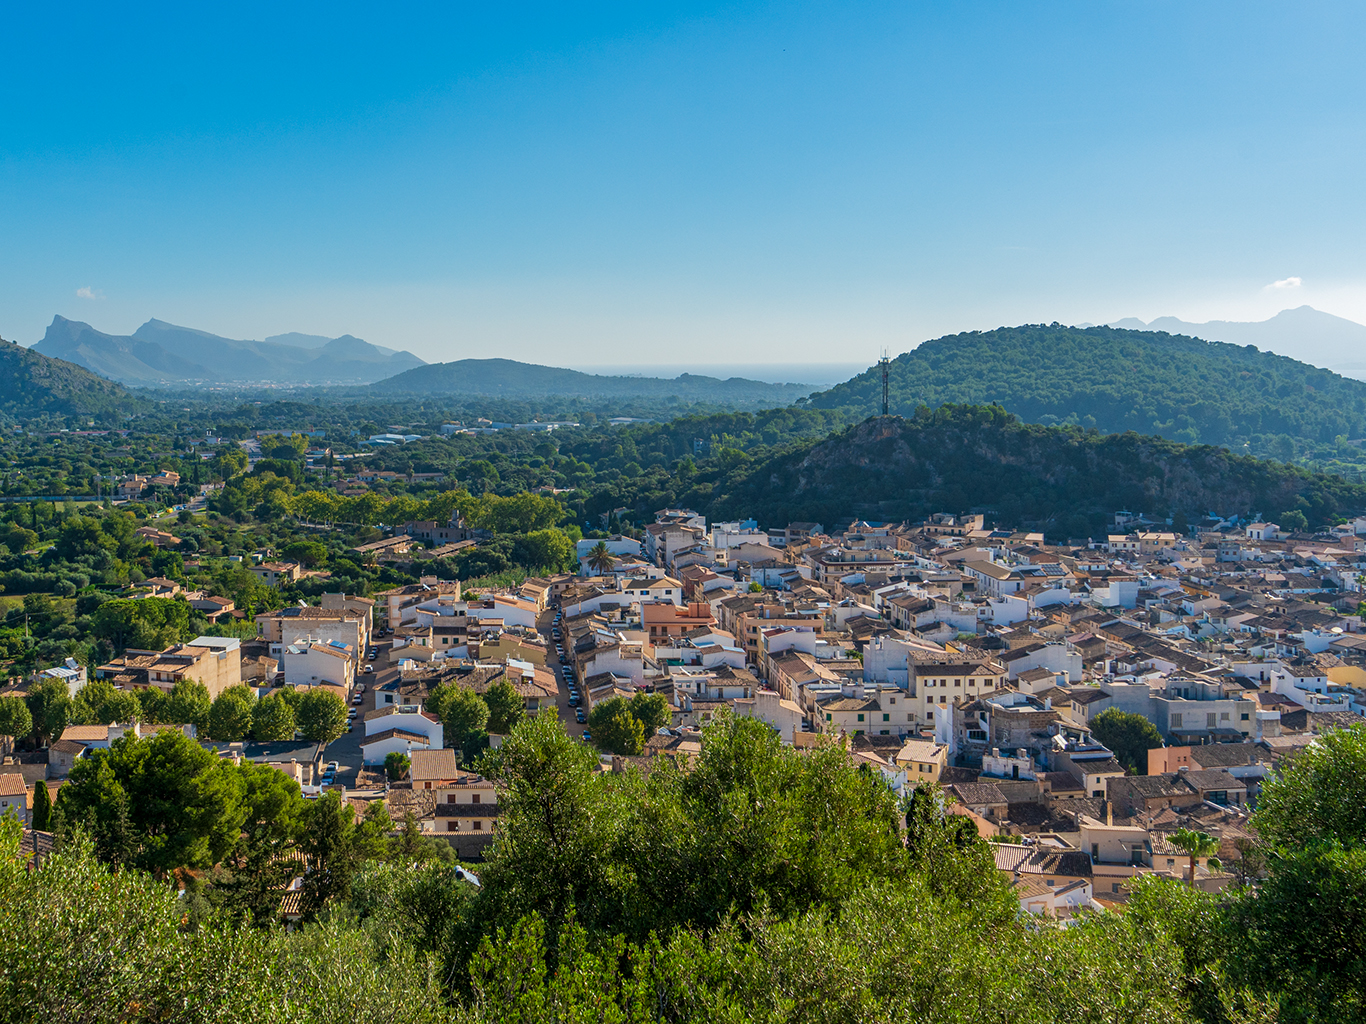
pixel 1114 887
pixel 474 799
pixel 929 716
pixel 829 717
pixel 479 826
pixel 1176 721
pixel 450 798
pixel 886 718
pixel 958 682
pixel 1244 716
pixel 860 717
pixel 1095 851
pixel 1209 720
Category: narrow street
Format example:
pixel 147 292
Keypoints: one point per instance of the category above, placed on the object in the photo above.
pixel 546 627
pixel 345 750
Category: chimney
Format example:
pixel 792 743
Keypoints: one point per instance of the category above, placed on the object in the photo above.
pixel 1048 703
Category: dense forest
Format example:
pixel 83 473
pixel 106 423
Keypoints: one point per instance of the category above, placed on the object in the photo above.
pixel 754 882
pixel 1062 478
pixel 1114 380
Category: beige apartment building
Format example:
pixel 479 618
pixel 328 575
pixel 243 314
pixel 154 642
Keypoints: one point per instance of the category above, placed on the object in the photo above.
pixel 935 679
pixel 212 660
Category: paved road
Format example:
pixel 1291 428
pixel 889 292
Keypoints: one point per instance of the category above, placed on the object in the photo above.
pixel 545 625
pixel 346 749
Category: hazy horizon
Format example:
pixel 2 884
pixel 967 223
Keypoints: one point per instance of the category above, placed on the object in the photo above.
pixel 635 183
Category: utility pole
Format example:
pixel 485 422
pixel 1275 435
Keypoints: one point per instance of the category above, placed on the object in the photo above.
pixel 885 365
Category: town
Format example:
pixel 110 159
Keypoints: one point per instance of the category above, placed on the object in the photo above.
pixel 683 514
pixel 1086 708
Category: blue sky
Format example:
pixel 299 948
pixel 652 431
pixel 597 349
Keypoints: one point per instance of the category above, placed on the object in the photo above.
pixel 652 184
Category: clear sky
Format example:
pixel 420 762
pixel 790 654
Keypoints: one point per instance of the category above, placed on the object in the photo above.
pixel 652 183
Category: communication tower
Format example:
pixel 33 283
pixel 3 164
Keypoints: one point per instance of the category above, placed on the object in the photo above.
pixel 884 364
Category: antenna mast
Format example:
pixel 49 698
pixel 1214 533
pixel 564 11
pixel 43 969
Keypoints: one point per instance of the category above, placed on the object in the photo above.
pixel 885 365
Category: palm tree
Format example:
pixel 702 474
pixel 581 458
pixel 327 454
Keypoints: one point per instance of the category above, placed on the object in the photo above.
pixel 1196 844
pixel 599 558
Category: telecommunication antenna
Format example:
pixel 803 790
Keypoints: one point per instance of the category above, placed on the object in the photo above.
pixel 885 365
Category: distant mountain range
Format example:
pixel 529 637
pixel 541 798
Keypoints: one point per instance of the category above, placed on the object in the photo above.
pixel 506 378
pixel 1304 333
pixel 32 384
pixel 158 353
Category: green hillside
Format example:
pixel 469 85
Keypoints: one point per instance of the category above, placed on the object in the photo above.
pixel 1064 478
pixel 32 384
pixel 1174 386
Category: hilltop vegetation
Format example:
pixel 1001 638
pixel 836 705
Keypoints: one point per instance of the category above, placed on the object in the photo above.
pixel 755 883
pixel 33 386
pixel 1173 386
pixel 958 457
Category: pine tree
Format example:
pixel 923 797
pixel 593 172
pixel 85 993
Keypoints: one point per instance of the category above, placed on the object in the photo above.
pixel 42 807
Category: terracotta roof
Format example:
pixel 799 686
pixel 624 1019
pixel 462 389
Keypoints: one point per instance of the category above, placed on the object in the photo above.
pixel 978 793
pixel 433 764
pixel 85 733
pixel 12 784
pixel 849 704
pixel 403 734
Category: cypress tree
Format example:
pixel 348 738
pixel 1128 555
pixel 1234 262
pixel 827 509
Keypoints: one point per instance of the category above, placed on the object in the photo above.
pixel 42 807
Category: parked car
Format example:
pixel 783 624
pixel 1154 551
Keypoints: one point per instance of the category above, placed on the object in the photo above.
pixel 357 699
pixel 580 715
pixel 587 736
pixel 368 669
pixel 573 701
pixel 331 768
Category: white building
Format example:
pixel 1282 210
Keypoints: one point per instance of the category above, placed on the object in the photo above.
pixel 313 662
pixel 400 729
pixel 766 705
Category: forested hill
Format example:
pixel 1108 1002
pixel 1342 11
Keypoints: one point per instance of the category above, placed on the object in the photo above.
pixel 1155 383
pixel 32 384
pixel 507 378
pixel 1065 478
